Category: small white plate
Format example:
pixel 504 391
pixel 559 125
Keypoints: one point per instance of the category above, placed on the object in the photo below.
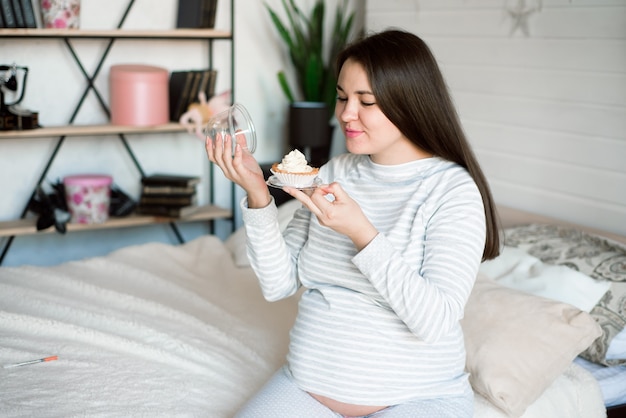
pixel 273 181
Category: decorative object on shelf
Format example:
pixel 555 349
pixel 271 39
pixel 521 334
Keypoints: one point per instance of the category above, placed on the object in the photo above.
pixel 196 14
pixel 314 70
pixel 200 112
pixel 12 115
pixel 60 14
pixel 88 197
pixel 121 203
pixel 51 208
pixel 520 14
pixel 139 95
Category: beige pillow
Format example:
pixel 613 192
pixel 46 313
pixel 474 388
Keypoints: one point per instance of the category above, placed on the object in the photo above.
pixel 518 343
pixel 593 255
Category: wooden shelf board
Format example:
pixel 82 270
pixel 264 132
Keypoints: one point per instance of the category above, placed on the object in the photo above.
pixel 89 130
pixel 117 33
pixel 27 226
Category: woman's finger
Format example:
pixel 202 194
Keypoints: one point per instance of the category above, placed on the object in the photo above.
pixel 241 139
pixel 210 150
pixel 303 198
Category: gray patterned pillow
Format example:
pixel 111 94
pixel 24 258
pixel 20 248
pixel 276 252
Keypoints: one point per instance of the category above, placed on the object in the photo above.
pixel 598 258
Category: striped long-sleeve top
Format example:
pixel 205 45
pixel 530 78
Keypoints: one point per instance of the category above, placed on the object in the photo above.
pixel 378 326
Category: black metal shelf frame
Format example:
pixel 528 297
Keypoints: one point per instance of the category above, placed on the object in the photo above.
pixel 90 79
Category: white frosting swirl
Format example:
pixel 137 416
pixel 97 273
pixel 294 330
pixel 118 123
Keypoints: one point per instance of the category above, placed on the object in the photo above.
pixel 295 162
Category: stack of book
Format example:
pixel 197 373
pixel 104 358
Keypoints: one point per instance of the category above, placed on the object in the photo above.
pixel 185 86
pixel 168 195
pixel 17 14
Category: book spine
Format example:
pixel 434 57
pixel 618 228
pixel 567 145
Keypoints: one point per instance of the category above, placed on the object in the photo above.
pixel 168 190
pixel 189 14
pixel 170 181
pixel 172 212
pixel 19 16
pixel 184 96
pixel 210 92
pixel 7 13
pixel 177 85
pixel 168 201
pixel 204 83
pixel 193 93
pixel 29 13
pixel 208 13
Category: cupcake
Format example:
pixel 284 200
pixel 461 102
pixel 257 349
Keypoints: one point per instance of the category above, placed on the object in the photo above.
pixel 294 170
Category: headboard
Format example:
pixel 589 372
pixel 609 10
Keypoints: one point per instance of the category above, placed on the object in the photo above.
pixel 514 217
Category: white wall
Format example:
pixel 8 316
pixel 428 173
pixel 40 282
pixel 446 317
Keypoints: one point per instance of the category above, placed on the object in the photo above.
pixel 55 85
pixel 546 112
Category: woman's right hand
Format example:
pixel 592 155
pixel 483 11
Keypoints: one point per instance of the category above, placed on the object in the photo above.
pixel 240 168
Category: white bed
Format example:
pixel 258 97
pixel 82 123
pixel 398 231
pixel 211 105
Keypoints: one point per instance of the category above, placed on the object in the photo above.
pixel 164 330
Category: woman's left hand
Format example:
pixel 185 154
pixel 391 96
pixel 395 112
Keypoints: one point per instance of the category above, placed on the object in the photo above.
pixel 240 168
pixel 341 214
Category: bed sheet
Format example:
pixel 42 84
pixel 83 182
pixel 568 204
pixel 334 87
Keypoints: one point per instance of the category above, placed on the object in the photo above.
pixel 162 330
pixel 612 381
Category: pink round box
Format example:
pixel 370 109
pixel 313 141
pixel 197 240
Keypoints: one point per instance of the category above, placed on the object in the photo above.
pixel 88 197
pixel 139 95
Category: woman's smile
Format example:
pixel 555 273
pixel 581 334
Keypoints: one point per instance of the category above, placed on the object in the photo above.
pixel 352 133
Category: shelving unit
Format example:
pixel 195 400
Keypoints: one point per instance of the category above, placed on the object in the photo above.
pixel 23 227
pixel 27 226
pixel 117 33
pixel 90 130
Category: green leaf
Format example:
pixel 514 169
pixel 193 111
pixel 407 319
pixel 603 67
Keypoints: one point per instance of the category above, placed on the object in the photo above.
pixel 313 78
pixel 280 27
pixel 284 84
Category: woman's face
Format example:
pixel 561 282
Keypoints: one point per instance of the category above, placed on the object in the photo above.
pixel 366 128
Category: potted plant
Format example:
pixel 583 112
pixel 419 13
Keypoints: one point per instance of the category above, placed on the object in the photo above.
pixel 313 99
pixel 304 38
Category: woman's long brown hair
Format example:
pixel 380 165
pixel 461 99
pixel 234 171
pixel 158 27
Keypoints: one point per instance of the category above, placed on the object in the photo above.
pixel 410 90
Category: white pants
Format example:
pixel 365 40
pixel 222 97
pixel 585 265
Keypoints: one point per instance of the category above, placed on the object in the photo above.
pixel 281 398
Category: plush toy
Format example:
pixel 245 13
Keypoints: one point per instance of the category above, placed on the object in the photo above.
pixel 199 113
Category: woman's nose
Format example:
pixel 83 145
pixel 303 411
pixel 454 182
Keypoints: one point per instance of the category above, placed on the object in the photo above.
pixel 348 112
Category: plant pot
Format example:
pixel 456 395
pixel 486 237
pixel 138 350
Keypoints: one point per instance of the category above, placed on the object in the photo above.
pixel 310 130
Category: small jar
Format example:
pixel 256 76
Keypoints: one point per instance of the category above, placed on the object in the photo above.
pixel 60 14
pixel 88 197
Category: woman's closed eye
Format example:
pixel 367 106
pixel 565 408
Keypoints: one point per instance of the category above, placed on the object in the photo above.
pixel 363 103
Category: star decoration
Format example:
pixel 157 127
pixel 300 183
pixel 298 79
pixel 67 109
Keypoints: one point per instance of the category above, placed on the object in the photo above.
pixel 520 14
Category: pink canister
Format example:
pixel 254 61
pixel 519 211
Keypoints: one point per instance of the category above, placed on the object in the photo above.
pixel 139 95
pixel 88 197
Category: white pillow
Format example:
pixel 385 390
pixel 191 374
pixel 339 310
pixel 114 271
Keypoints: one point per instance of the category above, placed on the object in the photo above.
pixel 236 242
pixel 518 343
